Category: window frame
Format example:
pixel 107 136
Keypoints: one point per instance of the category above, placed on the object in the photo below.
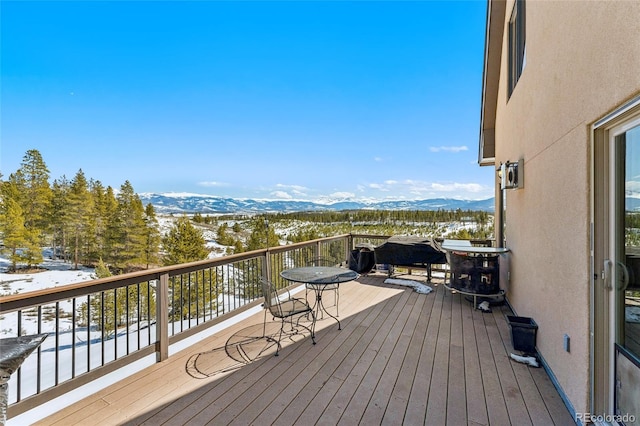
pixel 517 43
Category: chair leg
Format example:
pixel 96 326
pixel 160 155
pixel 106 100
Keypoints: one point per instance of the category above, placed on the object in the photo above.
pixel 278 345
pixel 313 328
pixel 313 325
pixel 264 324
pixel 294 329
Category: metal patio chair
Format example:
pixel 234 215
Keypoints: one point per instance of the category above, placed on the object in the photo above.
pixel 286 309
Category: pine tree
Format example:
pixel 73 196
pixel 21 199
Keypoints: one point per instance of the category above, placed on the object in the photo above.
pixel 59 202
pixel 194 293
pixel 97 223
pixel 127 230
pixel 102 270
pixel 32 251
pixel 152 236
pixel 237 247
pixel 79 209
pixel 12 229
pixel 262 236
pixel 223 237
pixel 32 179
pixel 183 243
pixel 110 237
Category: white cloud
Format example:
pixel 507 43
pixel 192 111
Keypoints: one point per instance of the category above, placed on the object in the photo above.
pixel 422 189
pixel 282 195
pixel 298 188
pixel 210 184
pixel 377 159
pixel 378 186
pixel 453 149
pixel 632 188
pixel 342 195
pixel 456 187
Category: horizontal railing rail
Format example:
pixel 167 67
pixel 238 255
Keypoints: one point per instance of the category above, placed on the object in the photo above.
pixel 99 326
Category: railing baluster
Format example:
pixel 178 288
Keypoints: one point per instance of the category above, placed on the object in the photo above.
pixel 57 348
pixel 103 327
pixel 38 387
pixel 88 332
pixel 126 324
pixel 229 283
pixel 173 303
pixel 73 337
pixel 149 309
pixel 115 324
pixel 182 302
pixel 19 373
pixel 197 297
pixel 210 292
pixel 138 315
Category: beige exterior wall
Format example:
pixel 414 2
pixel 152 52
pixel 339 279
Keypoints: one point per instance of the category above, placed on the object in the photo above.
pixel 582 61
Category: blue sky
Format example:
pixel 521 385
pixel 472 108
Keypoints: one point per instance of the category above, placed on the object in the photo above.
pixel 277 100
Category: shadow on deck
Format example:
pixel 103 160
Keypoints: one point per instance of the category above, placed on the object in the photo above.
pixel 400 358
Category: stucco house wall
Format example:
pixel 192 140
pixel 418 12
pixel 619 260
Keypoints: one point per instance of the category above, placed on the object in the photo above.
pixel 582 61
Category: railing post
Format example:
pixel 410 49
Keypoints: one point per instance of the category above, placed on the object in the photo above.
pixel 162 318
pixel 266 272
pixel 349 247
pixel 266 266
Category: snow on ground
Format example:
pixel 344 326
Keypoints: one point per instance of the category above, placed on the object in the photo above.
pixel 89 347
pixel 58 273
pixel 88 343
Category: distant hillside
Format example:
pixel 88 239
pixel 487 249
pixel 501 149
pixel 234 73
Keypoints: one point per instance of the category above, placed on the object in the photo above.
pixel 193 203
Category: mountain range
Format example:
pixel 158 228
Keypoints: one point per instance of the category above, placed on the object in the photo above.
pixel 195 203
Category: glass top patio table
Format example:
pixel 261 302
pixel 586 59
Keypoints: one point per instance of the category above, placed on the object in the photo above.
pixel 319 277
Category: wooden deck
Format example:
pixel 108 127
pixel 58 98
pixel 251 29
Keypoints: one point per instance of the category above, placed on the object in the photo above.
pixel 400 358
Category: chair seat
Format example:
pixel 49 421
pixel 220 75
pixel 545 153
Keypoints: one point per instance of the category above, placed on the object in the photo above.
pixel 292 306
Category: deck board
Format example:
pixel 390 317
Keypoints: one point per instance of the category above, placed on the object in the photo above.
pixel 349 354
pixel 456 405
pixel 417 406
pixel 511 393
pixel 400 358
pixel 394 413
pixel 391 361
pixel 474 387
pixel 437 401
pixel 358 386
pixel 496 404
pixel 522 373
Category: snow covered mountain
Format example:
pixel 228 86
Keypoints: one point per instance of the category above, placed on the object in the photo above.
pixel 195 203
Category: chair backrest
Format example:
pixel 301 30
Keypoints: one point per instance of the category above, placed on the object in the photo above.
pixel 321 261
pixel 271 299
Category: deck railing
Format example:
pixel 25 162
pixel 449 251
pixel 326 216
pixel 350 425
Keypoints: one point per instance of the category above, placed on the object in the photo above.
pixel 97 327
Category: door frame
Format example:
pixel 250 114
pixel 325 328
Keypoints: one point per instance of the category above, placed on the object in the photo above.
pixel 602 321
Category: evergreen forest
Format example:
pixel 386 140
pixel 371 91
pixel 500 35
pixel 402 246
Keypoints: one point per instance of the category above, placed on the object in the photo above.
pixel 86 223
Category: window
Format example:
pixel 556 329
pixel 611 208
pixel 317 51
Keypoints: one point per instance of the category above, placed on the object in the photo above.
pixel 517 51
